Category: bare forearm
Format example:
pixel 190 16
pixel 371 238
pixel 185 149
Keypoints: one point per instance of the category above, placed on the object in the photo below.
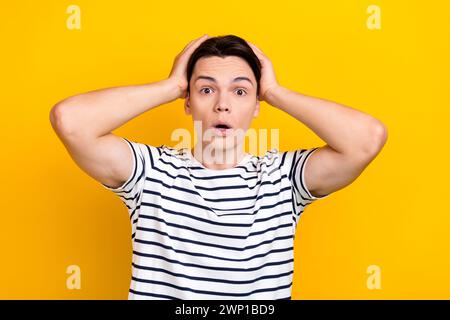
pixel 99 112
pixel 345 129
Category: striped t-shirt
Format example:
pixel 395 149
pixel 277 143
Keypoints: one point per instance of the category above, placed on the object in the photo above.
pixel 200 233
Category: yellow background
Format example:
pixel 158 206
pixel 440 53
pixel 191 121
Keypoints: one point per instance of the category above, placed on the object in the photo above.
pixel 395 215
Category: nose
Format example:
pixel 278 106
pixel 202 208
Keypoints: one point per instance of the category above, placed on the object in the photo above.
pixel 222 108
pixel 222 104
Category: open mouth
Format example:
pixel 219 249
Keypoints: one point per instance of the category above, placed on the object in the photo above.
pixel 222 126
pixel 222 129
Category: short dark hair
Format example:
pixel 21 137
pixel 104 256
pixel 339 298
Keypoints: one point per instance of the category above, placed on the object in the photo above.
pixel 222 46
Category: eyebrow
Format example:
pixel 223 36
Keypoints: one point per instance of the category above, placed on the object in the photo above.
pixel 215 81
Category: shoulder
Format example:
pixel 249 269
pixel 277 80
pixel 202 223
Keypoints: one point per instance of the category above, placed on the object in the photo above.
pixel 291 157
pixel 293 160
pixel 175 157
pixel 153 155
pixel 268 159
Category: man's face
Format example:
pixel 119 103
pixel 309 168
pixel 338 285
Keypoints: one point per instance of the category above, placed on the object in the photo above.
pixel 217 96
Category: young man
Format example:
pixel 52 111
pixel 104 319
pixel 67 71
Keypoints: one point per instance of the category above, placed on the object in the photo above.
pixel 204 228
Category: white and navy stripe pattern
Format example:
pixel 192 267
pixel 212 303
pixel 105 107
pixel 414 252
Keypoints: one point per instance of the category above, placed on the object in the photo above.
pixel 204 234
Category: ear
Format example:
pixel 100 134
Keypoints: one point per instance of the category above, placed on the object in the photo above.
pixel 187 104
pixel 257 107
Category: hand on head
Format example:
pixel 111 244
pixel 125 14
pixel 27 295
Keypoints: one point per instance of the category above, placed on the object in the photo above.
pixel 179 69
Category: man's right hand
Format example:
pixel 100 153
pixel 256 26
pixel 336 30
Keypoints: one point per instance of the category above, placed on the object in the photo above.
pixel 178 74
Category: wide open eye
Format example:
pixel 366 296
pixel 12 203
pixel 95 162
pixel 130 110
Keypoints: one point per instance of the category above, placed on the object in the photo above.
pixel 242 90
pixel 201 90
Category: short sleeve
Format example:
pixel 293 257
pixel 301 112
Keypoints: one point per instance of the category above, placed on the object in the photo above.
pixel 293 163
pixel 130 192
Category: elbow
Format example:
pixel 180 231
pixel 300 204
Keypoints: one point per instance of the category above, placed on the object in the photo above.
pixel 371 140
pixel 380 135
pixel 59 119
pixel 377 139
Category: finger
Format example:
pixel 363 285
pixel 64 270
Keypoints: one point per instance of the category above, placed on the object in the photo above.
pixel 254 46
pixel 198 40
pixel 258 54
pixel 261 56
pixel 258 51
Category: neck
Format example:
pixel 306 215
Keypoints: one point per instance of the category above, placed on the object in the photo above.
pixel 219 160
